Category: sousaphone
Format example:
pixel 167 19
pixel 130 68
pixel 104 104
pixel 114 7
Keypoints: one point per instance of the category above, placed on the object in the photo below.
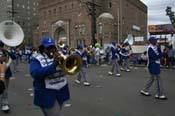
pixel 11 34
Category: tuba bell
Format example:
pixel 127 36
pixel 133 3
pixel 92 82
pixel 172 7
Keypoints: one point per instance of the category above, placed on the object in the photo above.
pixel 11 34
pixel 129 39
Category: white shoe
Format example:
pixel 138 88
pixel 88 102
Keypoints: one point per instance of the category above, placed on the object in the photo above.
pixel 86 84
pixel 110 73
pixel 118 74
pixel 163 97
pixel 77 81
pixel 145 93
pixel 5 108
pixel 127 70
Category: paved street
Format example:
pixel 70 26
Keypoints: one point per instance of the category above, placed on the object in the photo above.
pixel 107 96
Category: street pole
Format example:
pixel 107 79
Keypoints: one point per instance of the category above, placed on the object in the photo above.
pixel 91 6
pixel 12 12
pixel 93 22
pixel 118 40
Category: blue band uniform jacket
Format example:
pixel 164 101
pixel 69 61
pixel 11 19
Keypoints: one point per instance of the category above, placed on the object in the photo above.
pixel 41 67
pixel 154 55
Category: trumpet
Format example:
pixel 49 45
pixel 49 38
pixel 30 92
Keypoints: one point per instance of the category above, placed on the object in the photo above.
pixel 70 65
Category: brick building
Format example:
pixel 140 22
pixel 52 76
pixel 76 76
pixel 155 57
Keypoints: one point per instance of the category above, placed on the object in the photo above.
pixel 69 21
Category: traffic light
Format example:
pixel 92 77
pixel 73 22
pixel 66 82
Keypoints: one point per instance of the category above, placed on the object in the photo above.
pixel 168 10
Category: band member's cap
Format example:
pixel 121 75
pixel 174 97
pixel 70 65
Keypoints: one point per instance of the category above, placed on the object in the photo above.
pixel 47 41
pixel 114 43
pixel 152 38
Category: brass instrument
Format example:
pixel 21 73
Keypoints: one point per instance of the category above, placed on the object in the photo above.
pixel 127 43
pixel 61 44
pixel 69 64
pixel 11 34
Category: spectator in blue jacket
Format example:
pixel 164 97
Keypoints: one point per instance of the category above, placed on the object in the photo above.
pixel 50 84
pixel 154 55
pixel 5 67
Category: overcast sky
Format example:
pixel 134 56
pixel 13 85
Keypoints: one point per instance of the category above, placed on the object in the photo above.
pixel 156 11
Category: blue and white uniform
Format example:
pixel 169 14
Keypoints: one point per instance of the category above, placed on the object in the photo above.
pixel 115 59
pixel 82 72
pixel 154 55
pixel 125 53
pixel 49 83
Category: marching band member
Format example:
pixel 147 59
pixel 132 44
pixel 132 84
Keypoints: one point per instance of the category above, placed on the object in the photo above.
pixel 115 59
pixel 50 84
pixel 82 72
pixel 125 53
pixel 5 74
pixel 154 55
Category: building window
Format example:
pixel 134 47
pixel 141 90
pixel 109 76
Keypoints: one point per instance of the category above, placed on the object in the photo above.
pixel 49 12
pixel 54 11
pixel 9 6
pixel 28 7
pixel 110 5
pixel 60 9
pixel 72 5
pixel 17 5
pixel 65 7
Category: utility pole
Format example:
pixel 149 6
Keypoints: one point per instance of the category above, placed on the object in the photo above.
pixel 91 7
pixel 12 11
